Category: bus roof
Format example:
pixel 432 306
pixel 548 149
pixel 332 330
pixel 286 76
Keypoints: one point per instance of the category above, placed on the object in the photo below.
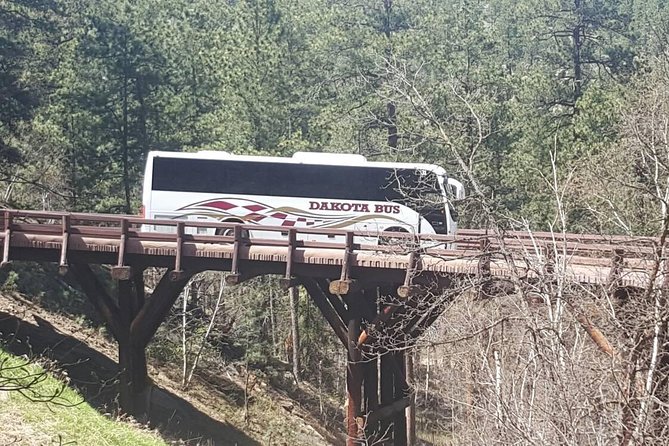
pixel 318 158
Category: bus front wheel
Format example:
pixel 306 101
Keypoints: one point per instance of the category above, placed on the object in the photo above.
pixel 230 232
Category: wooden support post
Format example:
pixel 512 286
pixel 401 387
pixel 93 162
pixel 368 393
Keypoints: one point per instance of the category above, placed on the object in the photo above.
pixel 157 307
pixel 387 394
pixel 354 381
pixel 121 271
pixel 429 311
pixel 400 394
pixel 62 265
pixel 484 272
pixel 98 296
pixel 617 264
pixel 371 400
pixel 132 321
pixel 389 411
pixel 549 267
pixel 345 284
pixel 177 272
pixel 138 286
pixel 593 331
pixel 234 278
pixel 386 312
pixel 416 328
pixel 134 379
pixel 7 229
pixel 334 300
pixel 288 281
pixel 343 287
pixel 407 289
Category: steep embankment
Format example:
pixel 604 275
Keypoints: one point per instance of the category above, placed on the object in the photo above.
pixel 211 411
pixel 38 408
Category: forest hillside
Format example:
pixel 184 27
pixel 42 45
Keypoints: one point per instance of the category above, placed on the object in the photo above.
pixel 554 114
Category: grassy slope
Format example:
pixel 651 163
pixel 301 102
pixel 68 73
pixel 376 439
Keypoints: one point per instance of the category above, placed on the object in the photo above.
pixel 269 423
pixel 65 420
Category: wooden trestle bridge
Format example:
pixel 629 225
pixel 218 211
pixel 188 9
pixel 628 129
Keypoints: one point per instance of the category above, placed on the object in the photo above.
pixel 369 294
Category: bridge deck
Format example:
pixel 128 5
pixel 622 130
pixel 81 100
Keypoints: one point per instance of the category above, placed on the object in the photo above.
pixel 116 239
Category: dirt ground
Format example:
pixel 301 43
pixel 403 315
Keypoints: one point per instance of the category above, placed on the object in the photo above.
pixel 209 412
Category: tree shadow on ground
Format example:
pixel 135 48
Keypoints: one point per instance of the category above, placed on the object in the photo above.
pixel 95 375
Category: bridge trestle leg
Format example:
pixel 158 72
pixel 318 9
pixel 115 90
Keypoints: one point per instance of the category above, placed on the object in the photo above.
pixel 354 386
pixel 377 390
pixel 132 320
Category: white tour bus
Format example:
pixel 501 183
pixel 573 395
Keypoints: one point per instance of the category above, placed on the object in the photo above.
pixel 309 190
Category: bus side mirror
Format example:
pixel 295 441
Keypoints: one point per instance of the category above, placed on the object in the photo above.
pixel 457 187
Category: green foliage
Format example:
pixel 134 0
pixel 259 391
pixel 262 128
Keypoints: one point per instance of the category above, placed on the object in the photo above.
pixel 508 85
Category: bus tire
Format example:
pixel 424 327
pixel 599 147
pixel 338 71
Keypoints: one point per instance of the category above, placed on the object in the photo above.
pixel 229 232
pixel 389 240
